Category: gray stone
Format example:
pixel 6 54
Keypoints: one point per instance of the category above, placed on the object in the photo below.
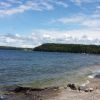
pixel 89 90
pixel 85 88
pixel 82 88
pixel 72 86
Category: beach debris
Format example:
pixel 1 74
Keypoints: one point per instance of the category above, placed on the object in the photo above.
pixel 72 86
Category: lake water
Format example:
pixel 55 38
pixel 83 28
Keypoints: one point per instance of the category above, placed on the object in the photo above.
pixel 40 69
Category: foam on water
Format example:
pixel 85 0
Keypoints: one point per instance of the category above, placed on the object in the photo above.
pixel 90 76
pixel 95 75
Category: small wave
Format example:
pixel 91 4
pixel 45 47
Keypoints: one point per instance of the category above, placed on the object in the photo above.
pixel 90 76
pixel 95 75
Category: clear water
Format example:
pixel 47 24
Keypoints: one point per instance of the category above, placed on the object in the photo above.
pixel 40 69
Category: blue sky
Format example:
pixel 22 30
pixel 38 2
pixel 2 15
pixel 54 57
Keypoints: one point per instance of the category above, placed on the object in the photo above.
pixel 28 23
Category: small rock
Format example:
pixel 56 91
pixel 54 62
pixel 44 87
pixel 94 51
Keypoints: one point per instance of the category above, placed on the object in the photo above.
pixel 82 88
pixel 85 88
pixel 72 86
pixel 65 87
pixel 89 90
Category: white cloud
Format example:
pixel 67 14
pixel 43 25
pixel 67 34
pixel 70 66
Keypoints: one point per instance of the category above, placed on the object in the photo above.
pixel 18 40
pixel 15 1
pixel 80 2
pixel 4 4
pixel 98 7
pixel 92 21
pixel 67 20
pixel 8 7
pixel 51 36
pixel 20 8
pixel 73 36
pixel 62 3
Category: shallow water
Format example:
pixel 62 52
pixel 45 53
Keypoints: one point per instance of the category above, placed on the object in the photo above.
pixel 40 69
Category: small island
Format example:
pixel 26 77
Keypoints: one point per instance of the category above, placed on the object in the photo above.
pixel 71 48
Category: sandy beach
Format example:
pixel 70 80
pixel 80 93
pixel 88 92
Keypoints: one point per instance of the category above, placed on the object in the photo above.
pixel 76 95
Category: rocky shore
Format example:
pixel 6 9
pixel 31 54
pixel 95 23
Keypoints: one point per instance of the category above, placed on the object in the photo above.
pixel 71 91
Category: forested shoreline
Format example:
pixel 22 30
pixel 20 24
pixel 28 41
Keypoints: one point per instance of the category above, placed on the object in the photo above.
pixel 71 48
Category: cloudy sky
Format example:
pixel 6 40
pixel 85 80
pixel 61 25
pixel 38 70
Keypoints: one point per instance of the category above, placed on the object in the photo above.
pixel 28 23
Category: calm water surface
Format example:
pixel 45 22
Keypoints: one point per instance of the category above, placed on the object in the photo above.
pixel 39 69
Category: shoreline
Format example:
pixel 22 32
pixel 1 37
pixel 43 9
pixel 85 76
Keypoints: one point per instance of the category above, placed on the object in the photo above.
pixel 55 93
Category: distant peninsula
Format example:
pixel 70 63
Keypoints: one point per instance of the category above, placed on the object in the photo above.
pixel 15 48
pixel 71 48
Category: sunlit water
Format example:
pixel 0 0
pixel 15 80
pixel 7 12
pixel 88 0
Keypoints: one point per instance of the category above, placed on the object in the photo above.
pixel 40 69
